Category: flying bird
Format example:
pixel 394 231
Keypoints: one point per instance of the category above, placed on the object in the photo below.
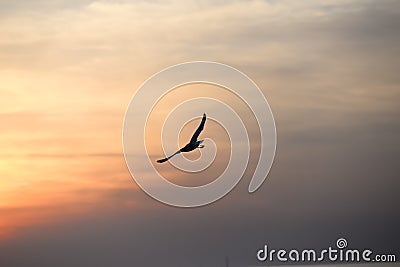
pixel 193 143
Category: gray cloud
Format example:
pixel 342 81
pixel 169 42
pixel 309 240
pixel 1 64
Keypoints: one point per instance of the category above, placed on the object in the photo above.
pixel 329 72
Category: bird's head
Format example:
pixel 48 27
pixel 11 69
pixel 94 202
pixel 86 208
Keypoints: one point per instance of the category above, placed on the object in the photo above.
pixel 198 143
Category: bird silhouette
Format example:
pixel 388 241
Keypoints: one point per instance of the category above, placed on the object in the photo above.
pixel 193 143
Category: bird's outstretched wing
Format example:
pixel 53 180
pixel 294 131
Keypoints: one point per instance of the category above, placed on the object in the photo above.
pixel 199 129
pixel 167 158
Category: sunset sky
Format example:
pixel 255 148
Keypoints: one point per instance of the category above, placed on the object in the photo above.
pixel 68 69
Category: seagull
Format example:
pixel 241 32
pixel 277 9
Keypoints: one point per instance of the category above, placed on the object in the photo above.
pixel 193 144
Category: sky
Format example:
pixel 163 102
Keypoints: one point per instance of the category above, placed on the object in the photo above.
pixel 68 69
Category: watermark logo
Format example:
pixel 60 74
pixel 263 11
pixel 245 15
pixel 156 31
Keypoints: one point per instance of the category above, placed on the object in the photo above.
pixel 341 243
pixel 144 101
pixel 340 253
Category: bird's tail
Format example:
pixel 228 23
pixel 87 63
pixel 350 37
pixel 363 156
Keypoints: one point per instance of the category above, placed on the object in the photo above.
pixel 162 160
pixel 167 158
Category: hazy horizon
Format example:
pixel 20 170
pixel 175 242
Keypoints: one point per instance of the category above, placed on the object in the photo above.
pixel 68 69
